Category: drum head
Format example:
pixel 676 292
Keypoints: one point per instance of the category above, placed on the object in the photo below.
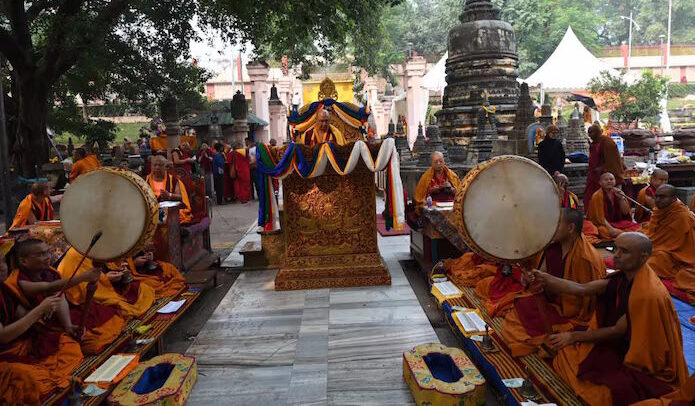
pixel 107 201
pixel 511 208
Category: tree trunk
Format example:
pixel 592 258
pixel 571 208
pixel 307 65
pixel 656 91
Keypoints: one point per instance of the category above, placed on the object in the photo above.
pixel 31 146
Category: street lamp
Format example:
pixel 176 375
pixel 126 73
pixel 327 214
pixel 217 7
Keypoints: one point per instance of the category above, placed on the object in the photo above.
pixel 629 40
pixel 661 52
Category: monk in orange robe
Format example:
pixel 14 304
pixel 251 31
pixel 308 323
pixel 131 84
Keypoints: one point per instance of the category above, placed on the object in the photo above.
pixel 672 232
pixel 571 201
pixel 682 397
pixel 132 299
pixel 497 292
pixel 633 349
pixel 37 206
pixel 34 360
pixel 82 163
pixel 35 279
pixel 322 131
pixel 161 276
pixel 536 314
pixel 469 269
pixel 646 195
pixel 610 211
pixel 603 157
pixel 438 181
pixel 167 186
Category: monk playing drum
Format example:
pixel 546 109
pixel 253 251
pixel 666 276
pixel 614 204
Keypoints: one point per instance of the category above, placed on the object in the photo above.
pixel 603 157
pixel 646 196
pixel 633 349
pixel 132 298
pixel 36 279
pixel 321 131
pixel 536 314
pixel 609 210
pixel 167 186
pixel 672 232
pixel 82 163
pixel 37 206
pixel 161 276
pixel 438 182
pixel 34 360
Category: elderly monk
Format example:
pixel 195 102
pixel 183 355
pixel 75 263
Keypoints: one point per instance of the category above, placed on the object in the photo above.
pixel 34 360
pixel 609 210
pixel 438 181
pixel 537 314
pixel 161 276
pixel 646 196
pixel 633 349
pixel 603 157
pixel 167 186
pixel 82 163
pixel 133 298
pixel 672 232
pixel 37 206
pixel 570 201
pixel 182 157
pixel 322 131
pixel 36 279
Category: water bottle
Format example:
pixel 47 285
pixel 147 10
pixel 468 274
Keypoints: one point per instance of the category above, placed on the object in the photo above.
pixel 429 201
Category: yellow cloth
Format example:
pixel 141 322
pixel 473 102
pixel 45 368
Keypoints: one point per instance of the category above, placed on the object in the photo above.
pixel 185 215
pixel 169 283
pixel 424 184
pixel 25 215
pixel 469 269
pixel 316 138
pixel 105 292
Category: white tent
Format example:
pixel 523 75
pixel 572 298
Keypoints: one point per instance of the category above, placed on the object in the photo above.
pixel 435 79
pixel 570 67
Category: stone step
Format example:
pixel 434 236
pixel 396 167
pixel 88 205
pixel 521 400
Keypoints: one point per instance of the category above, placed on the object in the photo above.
pixel 254 258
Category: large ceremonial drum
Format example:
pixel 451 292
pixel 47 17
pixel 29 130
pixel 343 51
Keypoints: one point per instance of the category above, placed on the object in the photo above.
pixel 116 202
pixel 507 208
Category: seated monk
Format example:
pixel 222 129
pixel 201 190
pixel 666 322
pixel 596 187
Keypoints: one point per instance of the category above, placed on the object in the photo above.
pixel 37 206
pixel 322 131
pixel 672 232
pixel 167 186
pixel 133 299
pixel 36 279
pixel 536 314
pixel 161 276
pixel 438 181
pixel 633 349
pixel 469 269
pixel 609 210
pixel 497 292
pixel 645 197
pixel 571 201
pixel 34 360
pixel 82 163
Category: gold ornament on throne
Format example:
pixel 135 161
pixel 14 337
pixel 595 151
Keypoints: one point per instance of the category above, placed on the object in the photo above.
pixel 327 90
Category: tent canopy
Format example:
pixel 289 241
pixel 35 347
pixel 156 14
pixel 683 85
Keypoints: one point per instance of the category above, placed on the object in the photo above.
pixel 570 67
pixel 435 79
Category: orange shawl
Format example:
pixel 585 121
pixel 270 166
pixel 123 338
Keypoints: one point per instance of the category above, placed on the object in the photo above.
pixel 424 184
pixel 185 215
pixel 610 158
pixel 596 214
pixel 469 269
pixel 169 283
pixel 672 230
pixel 685 394
pixel 105 293
pixel 25 212
pixel 84 165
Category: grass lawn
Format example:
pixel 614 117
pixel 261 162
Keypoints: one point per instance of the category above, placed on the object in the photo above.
pixel 130 130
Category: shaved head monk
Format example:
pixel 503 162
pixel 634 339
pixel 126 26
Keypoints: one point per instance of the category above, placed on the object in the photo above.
pixel 438 181
pixel 672 232
pixel 633 349
pixel 35 359
pixel 82 162
pixel 609 210
pixel 161 276
pixel 36 279
pixel 536 314
pixel 603 157
pixel 167 186
pixel 37 206
pixel 567 198
pixel 322 131
pixel 646 196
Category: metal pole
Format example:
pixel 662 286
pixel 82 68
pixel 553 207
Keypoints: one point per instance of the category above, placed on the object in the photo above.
pixel 4 155
pixel 661 53
pixel 668 42
pixel 629 45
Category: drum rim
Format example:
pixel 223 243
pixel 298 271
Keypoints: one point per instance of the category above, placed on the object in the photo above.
pixel 473 173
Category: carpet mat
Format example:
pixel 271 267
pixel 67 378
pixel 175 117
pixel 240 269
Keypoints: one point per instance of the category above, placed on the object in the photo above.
pixel 381 227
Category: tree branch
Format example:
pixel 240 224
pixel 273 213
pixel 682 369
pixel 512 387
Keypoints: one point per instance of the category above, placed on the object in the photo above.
pixel 12 50
pixel 19 24
pixel 37 7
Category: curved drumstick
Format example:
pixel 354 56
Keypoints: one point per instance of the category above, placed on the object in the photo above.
pixel 95 238
pixel 645 208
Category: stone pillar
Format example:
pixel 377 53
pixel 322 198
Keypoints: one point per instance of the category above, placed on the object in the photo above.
pixel 370 87
pixel 416 94
pixel 284 86
pixel 278 117
pixel 386 102
pixel 240 127
pixel 170 116
pixel 258 74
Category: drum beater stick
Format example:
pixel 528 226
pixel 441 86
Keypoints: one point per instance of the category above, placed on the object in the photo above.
pixel 95 238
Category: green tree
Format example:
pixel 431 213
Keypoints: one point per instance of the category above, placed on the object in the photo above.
pixel 630 102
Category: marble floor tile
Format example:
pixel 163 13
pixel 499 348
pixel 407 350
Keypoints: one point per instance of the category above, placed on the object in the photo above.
pixel 308 384
pixel 237 385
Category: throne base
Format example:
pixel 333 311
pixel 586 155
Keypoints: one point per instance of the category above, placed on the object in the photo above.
pixel 332 271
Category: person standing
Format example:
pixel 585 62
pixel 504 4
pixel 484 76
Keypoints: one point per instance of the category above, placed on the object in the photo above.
pixel 251 147
pixel 551 154
pixel 603 157
pixel 205 160
pixel 218 172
